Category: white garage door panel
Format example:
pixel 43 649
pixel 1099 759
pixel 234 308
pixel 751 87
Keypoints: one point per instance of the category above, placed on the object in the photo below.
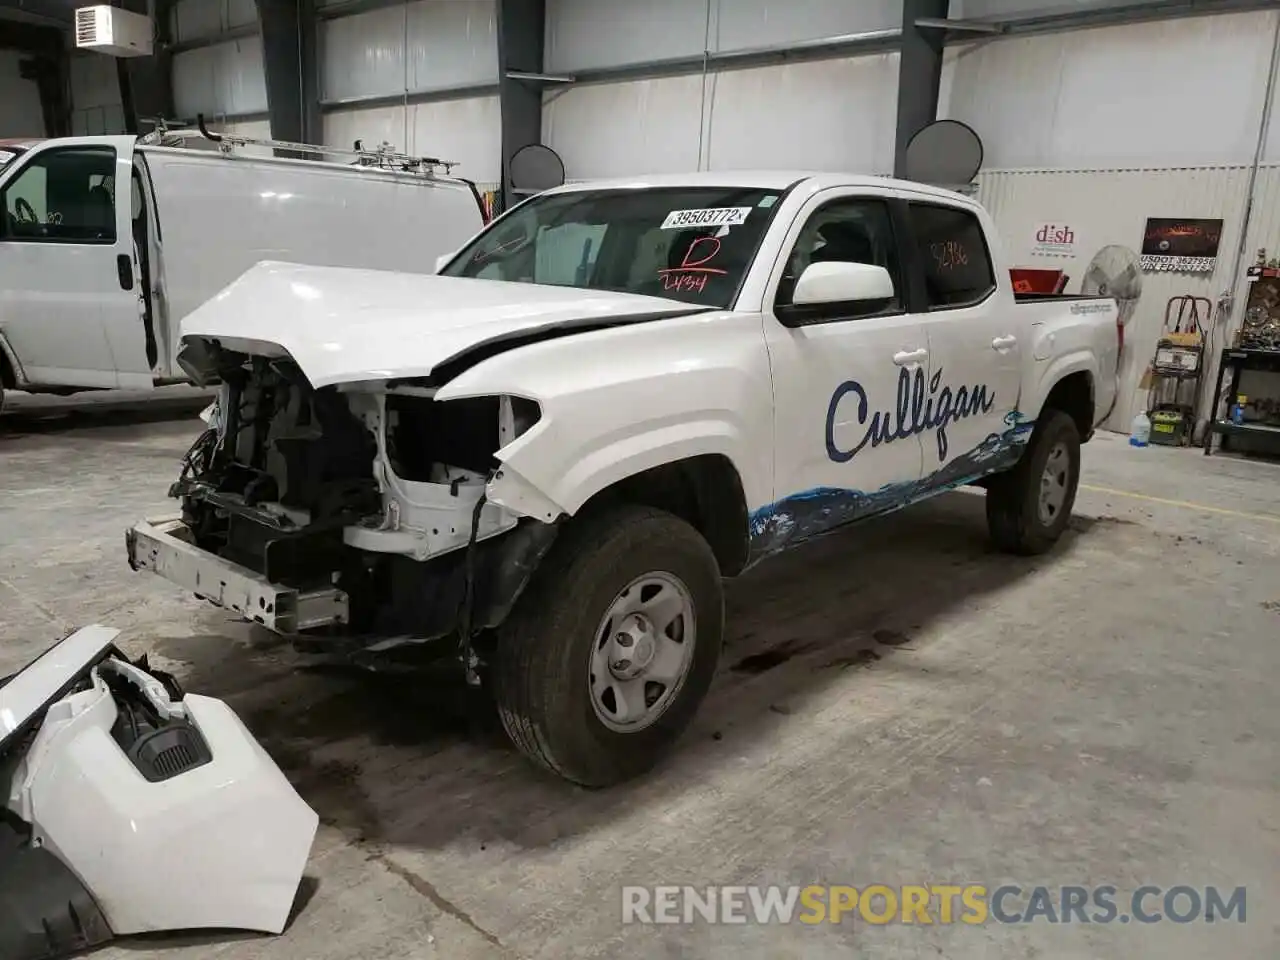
pixel 828 115
pixel 223 79
pixel 621 129
pixel 467 131
pixel 1161 94
pixel 582 34
pixel 206 18
pixel 742 24
pixel 419 46
pixel 342 128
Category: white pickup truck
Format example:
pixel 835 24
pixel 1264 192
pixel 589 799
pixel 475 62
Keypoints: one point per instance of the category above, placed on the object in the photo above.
pixel 547 457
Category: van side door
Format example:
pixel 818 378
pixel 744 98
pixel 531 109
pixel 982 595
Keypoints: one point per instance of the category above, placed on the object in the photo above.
pixel 68 279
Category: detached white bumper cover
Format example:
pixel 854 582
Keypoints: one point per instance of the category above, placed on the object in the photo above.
pixel 134 809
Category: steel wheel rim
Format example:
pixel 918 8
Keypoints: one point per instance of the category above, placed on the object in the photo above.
pixel 642 652
pixel 1053 484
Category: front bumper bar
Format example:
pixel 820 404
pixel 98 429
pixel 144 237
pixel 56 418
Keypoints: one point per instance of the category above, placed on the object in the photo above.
pixel 164 547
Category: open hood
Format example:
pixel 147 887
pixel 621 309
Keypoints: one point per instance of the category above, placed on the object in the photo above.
pixel 344 325
pixel 127 806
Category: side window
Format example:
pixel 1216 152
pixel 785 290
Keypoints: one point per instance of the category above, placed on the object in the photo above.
pixel 64 196
pixel 953 255
pixel 848 231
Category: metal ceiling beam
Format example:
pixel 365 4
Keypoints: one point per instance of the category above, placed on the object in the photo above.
pixel 521 56
pixel 919 74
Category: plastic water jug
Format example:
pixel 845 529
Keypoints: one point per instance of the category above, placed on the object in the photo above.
pixel 1140 431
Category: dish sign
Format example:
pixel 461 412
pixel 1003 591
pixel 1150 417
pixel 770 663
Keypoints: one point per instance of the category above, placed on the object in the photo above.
pixel 1181 245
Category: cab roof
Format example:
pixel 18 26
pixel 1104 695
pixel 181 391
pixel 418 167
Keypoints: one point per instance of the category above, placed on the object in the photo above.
pixel 760 180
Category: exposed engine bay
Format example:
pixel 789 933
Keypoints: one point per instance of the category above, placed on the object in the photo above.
pixel 365 501
pixel 130 807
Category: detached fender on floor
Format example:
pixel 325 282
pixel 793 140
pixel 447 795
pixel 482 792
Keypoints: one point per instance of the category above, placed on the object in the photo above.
pixel 132 808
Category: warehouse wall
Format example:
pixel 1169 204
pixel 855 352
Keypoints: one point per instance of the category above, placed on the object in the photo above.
pixel 1158 94
pixel 835 114
pixel 20 114
pixel 96 105
pixel 415 48
pixel 223 79
pixel 1106 206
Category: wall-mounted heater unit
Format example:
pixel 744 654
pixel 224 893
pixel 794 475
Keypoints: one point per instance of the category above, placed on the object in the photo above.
pixel 113 31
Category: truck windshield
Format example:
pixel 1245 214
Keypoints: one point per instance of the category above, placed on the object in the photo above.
pixel 693 244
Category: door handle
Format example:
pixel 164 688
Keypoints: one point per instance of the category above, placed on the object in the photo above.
pixel 904 357
pixel 1003 343
pixel 124 268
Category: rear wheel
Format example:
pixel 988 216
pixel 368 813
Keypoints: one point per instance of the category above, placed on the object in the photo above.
pixel 613 646
pixel 1029 506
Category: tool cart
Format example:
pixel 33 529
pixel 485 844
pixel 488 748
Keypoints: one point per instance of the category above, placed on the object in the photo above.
pixel 1175 370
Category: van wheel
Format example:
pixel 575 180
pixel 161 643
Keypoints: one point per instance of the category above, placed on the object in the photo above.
pixel 1029 506
pixel 612 647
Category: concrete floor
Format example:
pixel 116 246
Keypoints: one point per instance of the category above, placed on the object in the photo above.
pixel 897 705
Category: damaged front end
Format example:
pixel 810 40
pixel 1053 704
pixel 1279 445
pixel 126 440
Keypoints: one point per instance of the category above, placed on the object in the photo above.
pixel 355 514
pixel 127 807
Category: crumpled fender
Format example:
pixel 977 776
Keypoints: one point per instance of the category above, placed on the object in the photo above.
pixel 619 401
pixel 132 808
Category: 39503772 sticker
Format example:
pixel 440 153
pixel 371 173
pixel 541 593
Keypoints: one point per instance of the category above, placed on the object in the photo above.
pixel 707 217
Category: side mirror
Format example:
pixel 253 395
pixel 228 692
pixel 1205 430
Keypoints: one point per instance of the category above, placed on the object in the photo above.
pixel 837 282
pixel 835 288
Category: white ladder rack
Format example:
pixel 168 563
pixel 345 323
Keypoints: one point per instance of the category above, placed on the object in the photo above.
pixel 384 156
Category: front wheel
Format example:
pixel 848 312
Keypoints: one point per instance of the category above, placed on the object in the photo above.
pixel 612 647
pixel 1029 506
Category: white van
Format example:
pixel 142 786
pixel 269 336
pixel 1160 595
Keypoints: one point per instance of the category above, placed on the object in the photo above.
pixel 106 243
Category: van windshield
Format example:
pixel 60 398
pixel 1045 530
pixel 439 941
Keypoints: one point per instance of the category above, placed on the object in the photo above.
pixel 693 244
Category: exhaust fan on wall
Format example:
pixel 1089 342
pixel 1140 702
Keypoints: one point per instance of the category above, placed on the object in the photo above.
pixel 113 31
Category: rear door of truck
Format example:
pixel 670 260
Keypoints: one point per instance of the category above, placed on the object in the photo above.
pixel 973 329
pixel 68 289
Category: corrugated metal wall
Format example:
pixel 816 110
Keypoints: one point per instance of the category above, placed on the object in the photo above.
pixel 1157 94
pixel 419 47
pixel 582 34
pixel 96 107
pixel 220 80
pixel 835 114
pixel 224 79
pixel 190 19
pixel 1111 206
pixel 20 113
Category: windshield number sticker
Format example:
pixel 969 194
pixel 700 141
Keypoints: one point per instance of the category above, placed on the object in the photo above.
pixel 708 217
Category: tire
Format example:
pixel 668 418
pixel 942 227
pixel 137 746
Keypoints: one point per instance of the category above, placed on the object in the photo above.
pixel 545 661
pixel 1014 516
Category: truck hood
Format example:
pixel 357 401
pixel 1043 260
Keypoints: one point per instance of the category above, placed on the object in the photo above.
pixel 345 325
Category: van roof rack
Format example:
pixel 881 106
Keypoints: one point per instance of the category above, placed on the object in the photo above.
pixel 384 156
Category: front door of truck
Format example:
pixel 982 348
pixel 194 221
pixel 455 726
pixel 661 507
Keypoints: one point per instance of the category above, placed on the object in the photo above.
pixel 68 279
pixel 974 370
pixel 844 448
